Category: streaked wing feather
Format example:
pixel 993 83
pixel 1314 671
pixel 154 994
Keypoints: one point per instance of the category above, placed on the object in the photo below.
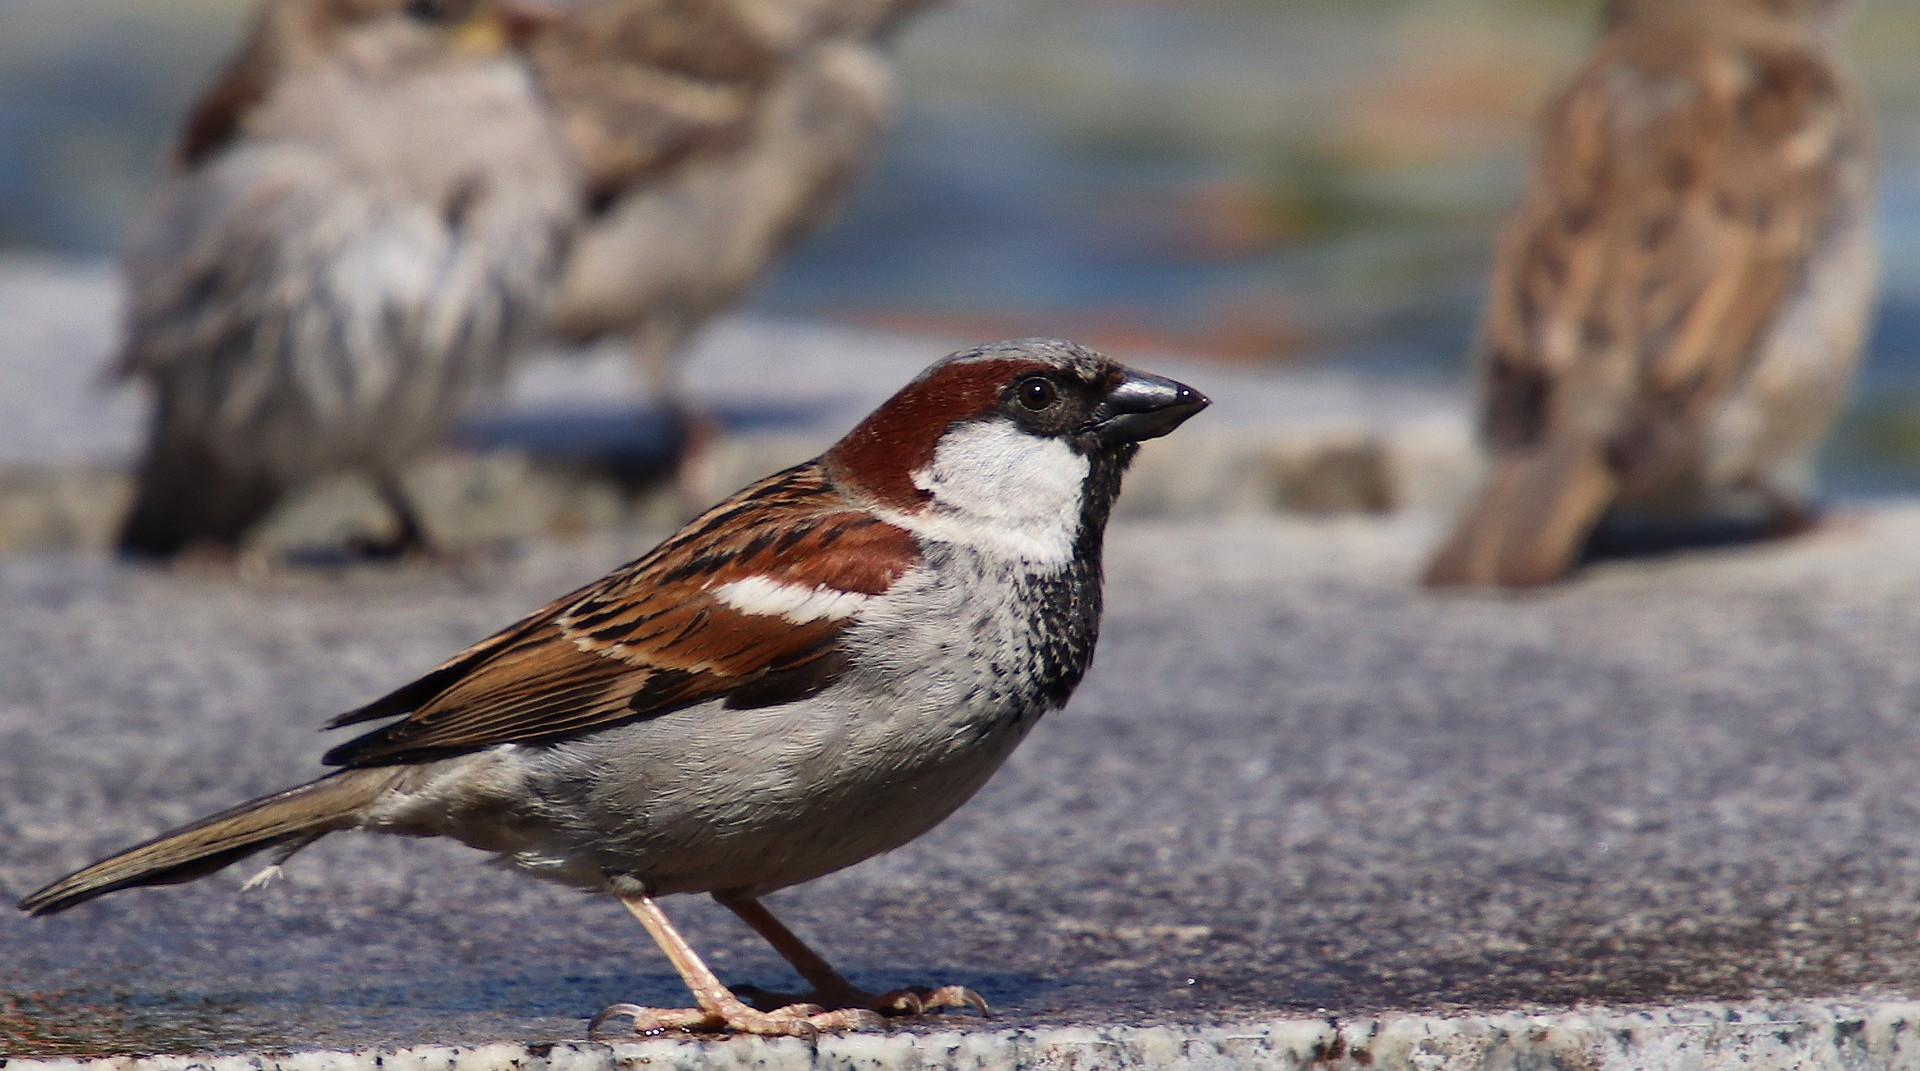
pixel 653 637
pixel 412 695
pixel 1675 197
pixel 641 85
pixel 215 118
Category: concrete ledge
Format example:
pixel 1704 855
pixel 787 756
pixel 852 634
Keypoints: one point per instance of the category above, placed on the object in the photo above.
pixel 1800 1037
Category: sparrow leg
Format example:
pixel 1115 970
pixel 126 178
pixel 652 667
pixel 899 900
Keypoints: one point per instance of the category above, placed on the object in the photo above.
pixel 831 989
pixel 719 1009
pixel 410 535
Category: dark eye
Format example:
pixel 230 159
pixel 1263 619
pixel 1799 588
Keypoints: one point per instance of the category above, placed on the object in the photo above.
pixel 425 10
pixel 1037 393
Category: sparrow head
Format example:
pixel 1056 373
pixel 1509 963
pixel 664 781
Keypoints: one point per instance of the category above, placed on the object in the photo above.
pixel 374 38
pixel 1019 444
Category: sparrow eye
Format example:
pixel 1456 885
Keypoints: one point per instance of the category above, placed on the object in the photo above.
pixel 1037 393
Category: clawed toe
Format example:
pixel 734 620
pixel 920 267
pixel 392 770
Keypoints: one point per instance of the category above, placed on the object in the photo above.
pixel 645 1020
pixel 894 1004
pixel 919 1000
pixel 793 1020
pixel 849 1019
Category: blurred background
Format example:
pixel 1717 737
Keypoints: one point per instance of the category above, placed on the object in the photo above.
pixel 1303 182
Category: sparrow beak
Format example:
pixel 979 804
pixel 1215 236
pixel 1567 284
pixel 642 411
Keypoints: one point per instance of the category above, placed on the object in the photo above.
pixel 1143 406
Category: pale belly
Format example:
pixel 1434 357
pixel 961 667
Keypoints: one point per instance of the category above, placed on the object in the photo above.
pixel 707 799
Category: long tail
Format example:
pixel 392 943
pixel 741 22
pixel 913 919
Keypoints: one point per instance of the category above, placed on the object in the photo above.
pixel 1530 521
pixel 287 820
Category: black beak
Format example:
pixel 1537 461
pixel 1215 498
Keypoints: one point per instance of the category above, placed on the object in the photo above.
pixel 1142 407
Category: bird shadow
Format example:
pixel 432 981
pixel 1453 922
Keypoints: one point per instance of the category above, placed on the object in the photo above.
pixel 1627 538
pixel 448 1007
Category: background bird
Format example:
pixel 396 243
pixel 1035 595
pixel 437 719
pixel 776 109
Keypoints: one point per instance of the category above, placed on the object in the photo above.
pixel 817 670
pixel 384 203
pixel 365 227
pixel 1679 303
pixel 713 134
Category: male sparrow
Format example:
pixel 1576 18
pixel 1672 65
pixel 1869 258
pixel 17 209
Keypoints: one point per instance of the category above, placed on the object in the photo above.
pixel 713 134
pixel 817 670
pixel 1679 302
pixel 365 226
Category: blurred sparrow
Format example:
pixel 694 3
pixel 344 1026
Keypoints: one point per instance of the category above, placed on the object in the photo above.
pixel 368 218
pixel 712 134
pixel 817 670
pixel 1679 302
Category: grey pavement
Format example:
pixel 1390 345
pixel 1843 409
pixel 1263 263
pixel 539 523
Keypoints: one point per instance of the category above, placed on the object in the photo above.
pixel 1299 809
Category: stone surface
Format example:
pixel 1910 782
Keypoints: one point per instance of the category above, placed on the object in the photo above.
pixel 576 447
pixel 1787 1037
pixel 1294 789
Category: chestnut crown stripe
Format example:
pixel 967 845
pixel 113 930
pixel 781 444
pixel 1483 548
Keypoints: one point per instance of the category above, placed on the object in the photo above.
pixel 879 457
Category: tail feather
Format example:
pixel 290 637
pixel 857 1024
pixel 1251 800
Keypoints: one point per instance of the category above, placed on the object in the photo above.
pixel 1530 521
pixel 287 820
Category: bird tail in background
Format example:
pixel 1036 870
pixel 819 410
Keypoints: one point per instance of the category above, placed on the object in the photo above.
pixel 1530 521
pixel 286 820
pixel 185 496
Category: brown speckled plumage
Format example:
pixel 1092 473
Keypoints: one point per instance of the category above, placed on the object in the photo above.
pixel 652 637
pixel 1679 302
pixel 371 222
pixel 713 134
pixel 364 231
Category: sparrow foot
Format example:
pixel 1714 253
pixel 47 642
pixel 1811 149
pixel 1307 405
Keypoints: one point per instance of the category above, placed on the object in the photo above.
pixel 893 1004
pixel 719 1008
pixel 831 988
pixel 792 1020
pixel 409 539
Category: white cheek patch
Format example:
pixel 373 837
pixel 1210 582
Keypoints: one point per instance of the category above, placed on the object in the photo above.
pixel 798 605
pixel 1002 490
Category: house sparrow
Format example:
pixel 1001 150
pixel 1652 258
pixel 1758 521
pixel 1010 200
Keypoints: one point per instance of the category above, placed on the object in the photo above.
pixel 817 670
pixel 1679 302
pixel 712 134
pixel 365 226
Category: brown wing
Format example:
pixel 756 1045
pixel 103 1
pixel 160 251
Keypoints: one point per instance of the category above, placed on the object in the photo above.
pixel 216 116
pixel 653 637
pixel 1681 182
pixel 283 34
pixel 214 120
pixel 640 85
